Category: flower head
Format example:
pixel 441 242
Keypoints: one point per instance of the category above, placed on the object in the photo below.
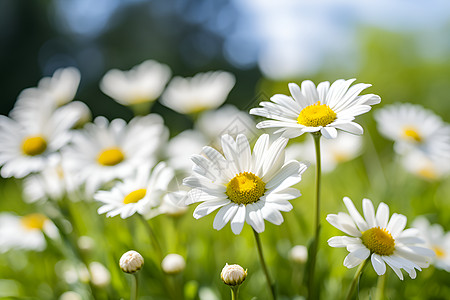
pixel 143 83
pixel 298 254
pixel 323 109
pixel 233 275
pixel 382 239
pixel 173 264
pixel 202 92
pixel 244 186
pixel 131 262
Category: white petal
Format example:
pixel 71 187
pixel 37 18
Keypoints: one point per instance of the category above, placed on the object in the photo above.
pixel 378 264
pixel 271 214
pixel 351 127
pixel 382 215
pixel 208 207
pixel 397 270
pixel 396 224
pixel 351 261
pixel 344 223
pixel 237 223
pixel 362 225
pixel 329 132
pixel 254 217
pixel 361 253
pixel 369 213
pixel 224 215
pixel 342 241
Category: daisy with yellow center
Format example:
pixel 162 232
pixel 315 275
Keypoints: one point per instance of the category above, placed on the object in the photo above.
pixel 246 187
pixel 437 240
pixel 140 193
pixel 323 109
pixel 383 240
pixel 104 151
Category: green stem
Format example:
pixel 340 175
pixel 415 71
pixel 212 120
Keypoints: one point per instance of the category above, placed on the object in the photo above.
pixel 134 287
pixel 263 264
pixel 381 283
pixel 234 292
pixel 153 238
pixel 315 243
pixel 356 279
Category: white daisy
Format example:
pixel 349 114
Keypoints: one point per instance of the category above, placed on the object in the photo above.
pixel 60 88
pixel 413 127
pixel 225 120
pixel 436 239
pixel 104 151
pixel 323 109
pixel 247 187
pixel 25 232
pixel 143 83
pixel 136 194
pixel 27 144
pixel 202 92
pixel 384 241
pixel 429 166
pixel 334 151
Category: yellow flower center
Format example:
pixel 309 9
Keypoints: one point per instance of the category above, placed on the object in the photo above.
pixel 410 133
pixel 33 221
pixel 427 173
pixel 316 115
pixel 34 145
pixel 134 196
pixel 378 240
pixel 245 188
pixel 440 253
pixel 110 157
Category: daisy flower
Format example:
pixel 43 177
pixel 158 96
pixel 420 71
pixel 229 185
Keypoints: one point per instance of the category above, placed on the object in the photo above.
pixel 136 194
pixel 143 83
pixel 428 166
pixel 244 186
pixel 202 92
pixel 60 88
pixel 436 239
pixel 25 232
pixel 104 151
pixel 28 143
pixel 382 239
pixel 323 109
pixel 334 151
pixel 413 127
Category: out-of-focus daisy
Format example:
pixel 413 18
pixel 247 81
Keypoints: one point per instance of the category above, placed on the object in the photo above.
pixel 173 205
pixel 382 239
pixel 143 83
pixel 436 239
pixel 411 126
pixel 53 182
pixel 244 186
pixel 137 194
pixel 429 166
pixel 104 151
pixel 334 151
pixel 323 109
pixel 195 94
pixel 180 148
pixel 60 88
pixel 26 232
pixel 225 120
pixel 26 144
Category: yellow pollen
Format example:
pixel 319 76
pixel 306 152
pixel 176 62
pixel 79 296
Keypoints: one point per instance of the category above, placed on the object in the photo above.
pixel 316 115
pixel 245 188
pixel 34 145
pixel 410 133
pixel 110 157
pixel 378 240
pixel 134 196
pixel 440 253
pixel 33 221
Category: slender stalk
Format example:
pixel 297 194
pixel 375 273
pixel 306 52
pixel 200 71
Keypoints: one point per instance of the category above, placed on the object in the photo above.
pixel 153 238
pixel 264 266
pixel 381 283
pixel 315 243
pixel 234 292
pixel 134 287
pixel 356 279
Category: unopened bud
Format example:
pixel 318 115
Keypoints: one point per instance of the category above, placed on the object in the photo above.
pixel 298 254
pixel 173 264
pixel 233 274
pixel 131 262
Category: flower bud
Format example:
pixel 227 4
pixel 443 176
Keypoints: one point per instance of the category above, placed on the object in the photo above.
pixel 298 254
pixel 173 264
pixel 131 262
pixel 233 274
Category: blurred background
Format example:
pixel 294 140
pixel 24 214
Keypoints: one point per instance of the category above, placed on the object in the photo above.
pixel 401 47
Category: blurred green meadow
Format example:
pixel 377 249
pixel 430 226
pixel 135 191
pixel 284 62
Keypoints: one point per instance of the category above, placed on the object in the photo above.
pixel 391 61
